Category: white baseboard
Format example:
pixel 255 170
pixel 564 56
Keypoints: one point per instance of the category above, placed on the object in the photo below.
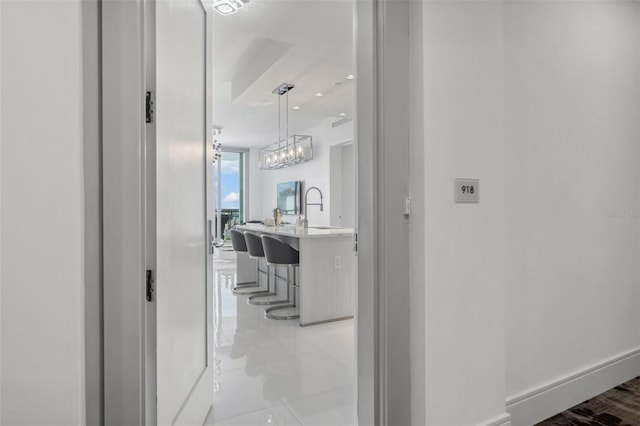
pixel 501 420
pixel 531 407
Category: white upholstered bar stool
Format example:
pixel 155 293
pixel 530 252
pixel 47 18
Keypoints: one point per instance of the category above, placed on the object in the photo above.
pixel 279 253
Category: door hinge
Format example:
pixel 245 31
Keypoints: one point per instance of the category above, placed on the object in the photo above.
pixel 355 242
pixel 150 283
pixel 150 100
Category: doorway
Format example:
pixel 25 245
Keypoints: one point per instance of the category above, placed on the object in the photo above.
pixel 125 202
pixel 284 371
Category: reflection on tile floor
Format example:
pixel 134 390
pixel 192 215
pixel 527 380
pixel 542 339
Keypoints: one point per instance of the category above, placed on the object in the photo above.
pixel 276 372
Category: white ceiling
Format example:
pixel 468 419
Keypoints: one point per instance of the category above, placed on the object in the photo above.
pixel 269 42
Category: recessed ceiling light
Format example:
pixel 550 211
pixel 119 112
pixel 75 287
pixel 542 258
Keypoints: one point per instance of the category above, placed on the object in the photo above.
pixel 342 114
pixel 350 77
pixel 225 8
pixel 319 94
pixel 228 7
pixel 296 107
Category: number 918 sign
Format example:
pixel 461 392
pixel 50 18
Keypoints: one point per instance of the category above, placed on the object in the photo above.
pixel 467 191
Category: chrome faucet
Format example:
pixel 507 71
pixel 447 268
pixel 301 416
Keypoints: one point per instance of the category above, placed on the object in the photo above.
pixel 306 204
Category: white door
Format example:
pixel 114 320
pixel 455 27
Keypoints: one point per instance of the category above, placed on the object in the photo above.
pixel 183 291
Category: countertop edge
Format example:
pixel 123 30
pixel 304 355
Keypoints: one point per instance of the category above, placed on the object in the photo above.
pixel 317 233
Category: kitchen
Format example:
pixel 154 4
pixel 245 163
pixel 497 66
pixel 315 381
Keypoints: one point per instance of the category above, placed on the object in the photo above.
pixel 285 168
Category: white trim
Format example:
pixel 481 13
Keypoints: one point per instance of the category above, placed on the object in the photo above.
pixel 0 208
pixel 149 156
pixel 535 405
pixel 93 324
pixel 367 363
pixel 382 142
pixel 501 420
pixel 123 135
pixel 417 240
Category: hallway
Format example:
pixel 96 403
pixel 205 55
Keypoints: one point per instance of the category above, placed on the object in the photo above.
pixel 275 372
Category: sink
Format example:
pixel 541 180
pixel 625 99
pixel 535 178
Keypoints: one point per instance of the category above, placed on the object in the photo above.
pixel 326 227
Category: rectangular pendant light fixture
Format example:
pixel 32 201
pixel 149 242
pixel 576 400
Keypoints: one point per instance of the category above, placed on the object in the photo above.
pixel 290 150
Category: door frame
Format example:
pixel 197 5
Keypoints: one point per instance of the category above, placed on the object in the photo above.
pixel 382 110
pixel 123 174
pixel 382 143
pixel 128 370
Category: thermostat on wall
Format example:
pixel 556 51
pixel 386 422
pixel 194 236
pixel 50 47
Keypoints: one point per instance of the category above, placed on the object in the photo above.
pixel 467 190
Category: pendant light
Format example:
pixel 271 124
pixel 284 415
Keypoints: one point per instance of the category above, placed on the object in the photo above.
pixel 290 150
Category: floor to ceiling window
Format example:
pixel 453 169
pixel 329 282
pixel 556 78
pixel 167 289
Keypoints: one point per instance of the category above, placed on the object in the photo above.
pixel 230 193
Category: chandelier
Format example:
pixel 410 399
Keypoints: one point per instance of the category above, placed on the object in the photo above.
pixel 290 150
pixel 217 145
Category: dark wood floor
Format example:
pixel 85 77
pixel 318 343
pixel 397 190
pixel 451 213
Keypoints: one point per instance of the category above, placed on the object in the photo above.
pixel 619 406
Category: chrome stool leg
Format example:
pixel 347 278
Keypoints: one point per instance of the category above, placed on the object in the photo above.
pixel 242 286
pixel 291 302
pixel 240 247
pixel 238 287
pixel 253 300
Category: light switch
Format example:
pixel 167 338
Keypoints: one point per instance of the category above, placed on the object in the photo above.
pixel 467 191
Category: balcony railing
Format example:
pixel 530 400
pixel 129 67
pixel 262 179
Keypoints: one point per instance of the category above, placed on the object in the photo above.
pixel 230 217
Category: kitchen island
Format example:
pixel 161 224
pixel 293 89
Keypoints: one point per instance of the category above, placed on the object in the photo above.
pixel 326 276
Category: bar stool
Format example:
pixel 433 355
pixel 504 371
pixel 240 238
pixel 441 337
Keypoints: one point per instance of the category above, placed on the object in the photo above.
pixel 279 253
pixel 254 245
pixel 240 246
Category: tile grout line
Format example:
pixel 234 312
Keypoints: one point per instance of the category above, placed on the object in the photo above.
pixel 286 401
pixel 293 413
pixel 214 421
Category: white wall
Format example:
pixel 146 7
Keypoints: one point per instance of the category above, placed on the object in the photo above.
pixel 335 179
pixel 313 173
pixel 464 251
pixel 541 102
pixel 254 201
pixel 42 214
pixel 348 186
pixel 573 129
pixel 342 185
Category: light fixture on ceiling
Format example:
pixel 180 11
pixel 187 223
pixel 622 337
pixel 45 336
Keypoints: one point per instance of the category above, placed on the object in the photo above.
pixel 290 150
pixel 349 77
pixel 228 7
pixel 296 107
pixel 217 144
pixel 319 94
pixel 343 114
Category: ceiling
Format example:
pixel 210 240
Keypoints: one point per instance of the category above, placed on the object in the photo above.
pixel 269 42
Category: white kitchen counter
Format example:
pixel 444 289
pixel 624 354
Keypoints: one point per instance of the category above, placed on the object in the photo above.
pixel 292 231
pixel 326 274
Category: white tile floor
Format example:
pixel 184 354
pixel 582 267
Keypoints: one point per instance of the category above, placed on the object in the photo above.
pixel 275 372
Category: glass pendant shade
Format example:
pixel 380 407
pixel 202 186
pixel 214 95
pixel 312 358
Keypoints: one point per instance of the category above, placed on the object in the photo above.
pixel 290 150
pixel 299 149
